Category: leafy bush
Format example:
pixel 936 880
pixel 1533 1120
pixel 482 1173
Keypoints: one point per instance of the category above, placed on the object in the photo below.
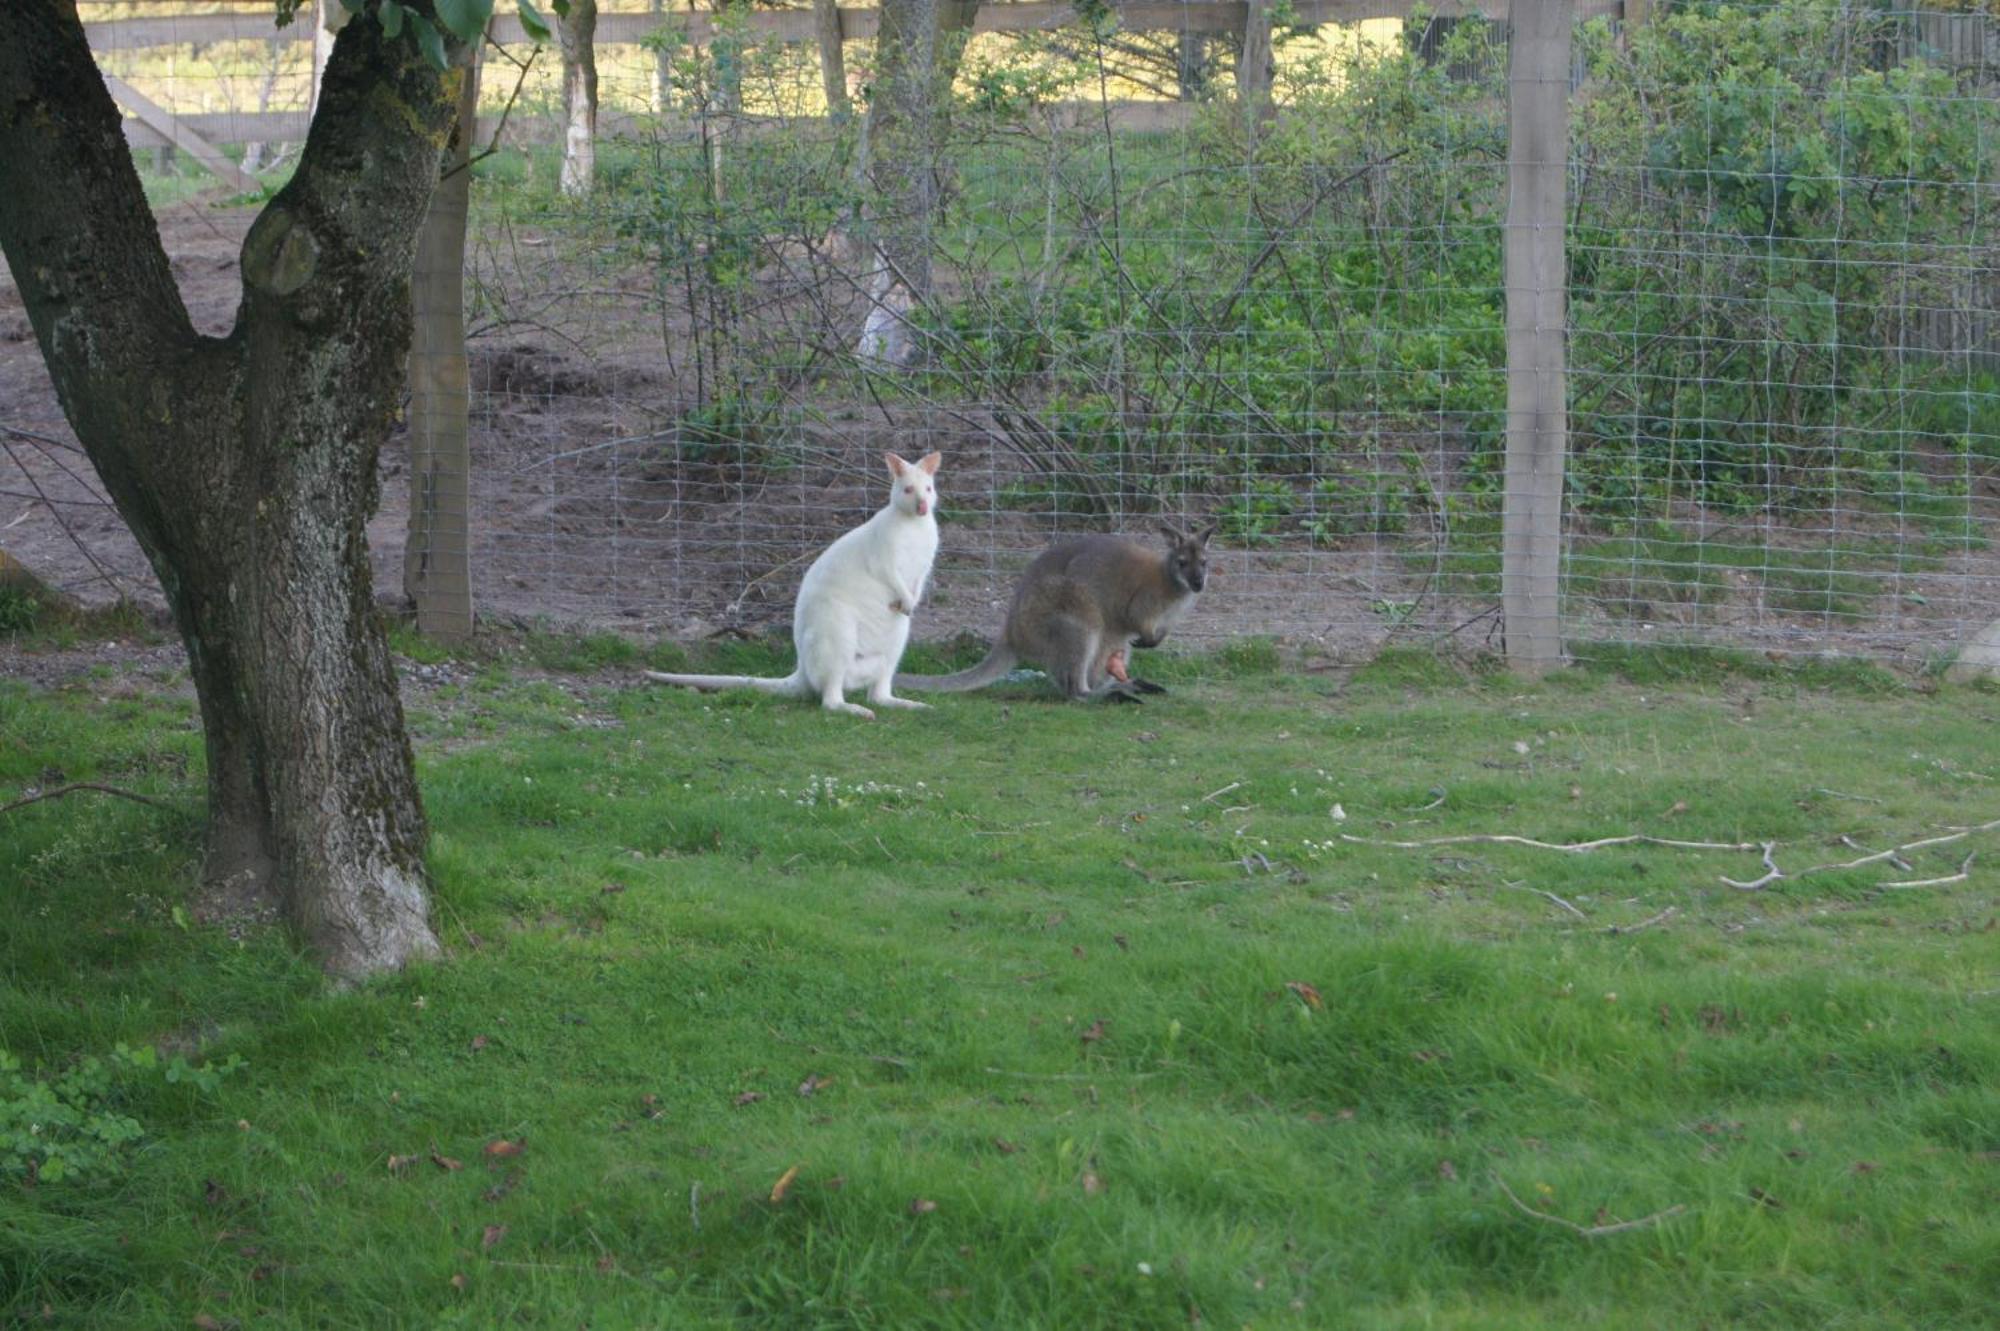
pixel 72 1125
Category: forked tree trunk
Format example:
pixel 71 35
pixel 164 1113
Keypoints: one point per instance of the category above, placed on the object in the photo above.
pixel 578 34
pixel 917 53
pixel 245 465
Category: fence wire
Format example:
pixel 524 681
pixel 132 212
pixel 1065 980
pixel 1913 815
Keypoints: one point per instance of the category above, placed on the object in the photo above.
pixel 1146 305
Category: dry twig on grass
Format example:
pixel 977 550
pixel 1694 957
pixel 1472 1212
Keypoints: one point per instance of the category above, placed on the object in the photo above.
pixel 1588 1231
pixel 1648 923
pixel 1769 850
pixel 1959 877
pixel 75 786
pixel 1566 847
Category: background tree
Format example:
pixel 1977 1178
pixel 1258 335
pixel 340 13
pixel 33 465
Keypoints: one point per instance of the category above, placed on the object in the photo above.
pixel 245 464
pixel 577 33
pixel 918 48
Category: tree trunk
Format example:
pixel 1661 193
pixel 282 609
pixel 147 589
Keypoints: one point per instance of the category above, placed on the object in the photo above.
pixel 662 85
pixel 437 546
pixel 917 52
pixel 577 33
pixel 245 465
pixel 832 62
pixel 1191 66
pixel 1256 67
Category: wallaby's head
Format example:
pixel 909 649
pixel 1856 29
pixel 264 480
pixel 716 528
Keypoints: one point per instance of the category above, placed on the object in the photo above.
pixel 915 483
pixel 1187 556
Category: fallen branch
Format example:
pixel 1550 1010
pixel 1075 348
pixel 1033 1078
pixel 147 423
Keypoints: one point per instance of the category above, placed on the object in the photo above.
pixel 1661 918
pixel 1568 848
pixel 1958 877
pixel 1552 897
pixel 1587 1231
pixel 1772 872
pixel 75 786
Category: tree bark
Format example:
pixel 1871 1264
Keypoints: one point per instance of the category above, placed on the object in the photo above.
pixel 437 546
pixel 245 465
pixel 1256 67
pixel 832 61
pixel 662 84
pixel 918 48
pixel 577 32
pixel 1191 61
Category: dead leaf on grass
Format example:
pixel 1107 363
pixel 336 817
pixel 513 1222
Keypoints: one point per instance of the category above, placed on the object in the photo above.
pixel 747 1098
pixel 606 1264
pixel 1092 1184
pixel 1094 1033
pixel 478 1043
pixel 400 1163
pixel 1005 1147
pixel 922 1206
pixel 1447 1171
pixel 492 1236
pixel 783 1185
pixel 504 1149
pixel 1762 1198
pixel 446 1163
pixel 814 1084
pixel 1307 994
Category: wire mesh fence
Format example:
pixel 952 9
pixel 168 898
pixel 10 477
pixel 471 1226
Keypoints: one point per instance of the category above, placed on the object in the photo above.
pixel 1147 301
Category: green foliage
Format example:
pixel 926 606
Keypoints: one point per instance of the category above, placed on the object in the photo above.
pixel 20 607
pixel 1748 307
pixel 68 1126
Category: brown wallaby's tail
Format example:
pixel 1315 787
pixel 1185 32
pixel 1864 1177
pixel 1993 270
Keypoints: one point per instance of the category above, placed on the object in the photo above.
pixel 997 663
pixel 793 684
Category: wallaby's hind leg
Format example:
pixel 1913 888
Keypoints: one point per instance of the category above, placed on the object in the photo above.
pixel 830 698
pixel 1114 666
pixel 878 693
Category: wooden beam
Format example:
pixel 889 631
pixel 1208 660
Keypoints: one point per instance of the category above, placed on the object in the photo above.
pixel 1533 262
pixel 226 127
pixel 161 122
pixel 800 25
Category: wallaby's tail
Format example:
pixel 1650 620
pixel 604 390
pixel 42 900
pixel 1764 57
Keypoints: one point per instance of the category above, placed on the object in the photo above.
pixel 792 685
pixel 997 663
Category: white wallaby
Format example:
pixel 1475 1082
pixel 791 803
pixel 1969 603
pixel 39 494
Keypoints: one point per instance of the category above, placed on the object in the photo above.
pixel 852 620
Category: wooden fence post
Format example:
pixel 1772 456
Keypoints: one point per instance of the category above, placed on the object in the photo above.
pixel 1534 271
pixel 437 551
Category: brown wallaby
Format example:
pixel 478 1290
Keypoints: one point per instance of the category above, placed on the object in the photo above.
pixel 1080 608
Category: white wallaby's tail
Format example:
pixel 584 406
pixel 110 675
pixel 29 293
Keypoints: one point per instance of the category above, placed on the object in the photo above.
pixel 997 663
pixel 792 685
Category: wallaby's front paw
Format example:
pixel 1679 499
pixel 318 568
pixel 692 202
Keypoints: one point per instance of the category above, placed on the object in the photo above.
pixel 898 607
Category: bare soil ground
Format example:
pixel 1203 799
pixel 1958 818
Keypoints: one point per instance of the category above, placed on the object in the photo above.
pixel 592 510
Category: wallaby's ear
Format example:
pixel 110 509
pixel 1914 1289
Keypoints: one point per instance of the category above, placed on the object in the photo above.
pixel 896 464
pixel 930 463
pixel 1173 534
pixel 1202 536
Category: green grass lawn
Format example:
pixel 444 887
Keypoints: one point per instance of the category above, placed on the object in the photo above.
pixel 1102 1023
